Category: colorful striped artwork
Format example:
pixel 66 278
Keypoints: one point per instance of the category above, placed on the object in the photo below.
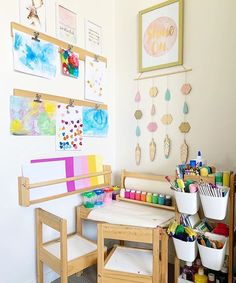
pixel 32 118
pixel 76 166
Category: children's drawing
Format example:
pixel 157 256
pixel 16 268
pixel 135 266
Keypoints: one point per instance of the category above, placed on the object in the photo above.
pixel 69 63
pixel 69 127
pixel 94 79
pixel 33 14
pixel 95 122
pixel 34 57
pixel 32 118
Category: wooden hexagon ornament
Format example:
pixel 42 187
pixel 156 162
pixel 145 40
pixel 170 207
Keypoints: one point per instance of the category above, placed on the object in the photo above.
pixel 167 119
pixel 138 114
pixel 184 127
pixel 153 91
pixel 186 89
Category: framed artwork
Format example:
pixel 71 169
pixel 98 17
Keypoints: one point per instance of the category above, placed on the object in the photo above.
pixel 33 14
pixel 93 37
pixel 161 36
pixel 66 24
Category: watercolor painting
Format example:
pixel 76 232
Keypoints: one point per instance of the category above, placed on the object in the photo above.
pixel 95 72
pixel 95 122
pixel 33 57
pixel 32 118
pixel 33 14
pixel 69 63
pixel 161 36
pixel 69 128
pixel 66 24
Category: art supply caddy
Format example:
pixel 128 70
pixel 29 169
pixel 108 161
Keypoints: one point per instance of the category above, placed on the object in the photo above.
pixel 200 188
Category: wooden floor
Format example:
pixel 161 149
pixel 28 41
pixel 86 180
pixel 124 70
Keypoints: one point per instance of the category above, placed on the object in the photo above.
pixel 90 274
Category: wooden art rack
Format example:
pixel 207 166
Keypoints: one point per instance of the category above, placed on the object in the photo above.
pixel 39 35
pixel 60 99
pixel 24 186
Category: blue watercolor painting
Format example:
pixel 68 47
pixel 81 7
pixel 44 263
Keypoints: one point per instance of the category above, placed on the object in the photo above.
pixel 95 122
pixel 39 58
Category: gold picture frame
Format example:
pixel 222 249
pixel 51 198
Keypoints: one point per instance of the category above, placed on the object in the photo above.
pixel 161 36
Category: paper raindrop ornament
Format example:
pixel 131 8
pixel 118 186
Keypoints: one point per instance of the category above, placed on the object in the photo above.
pixel 138 114
pixel 184 152
pixel 152 150
pixel 167 143
pixel 186 89
pixel 185 108
pixel 153 91
pixel 167 95
pixel 137 154
pixel 137 97
pixel 153 110
pixel 152 127
pixel 138 132
pixel 184 127
pixel 167 119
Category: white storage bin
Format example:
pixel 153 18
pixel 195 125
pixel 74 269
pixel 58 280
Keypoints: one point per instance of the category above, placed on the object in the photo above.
pixel 213 258
pixel 215 207
pixel 187 203
pixel 186 251
pixel 181 280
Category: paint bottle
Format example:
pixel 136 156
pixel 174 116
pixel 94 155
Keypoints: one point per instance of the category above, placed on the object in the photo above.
pixel 199 158
pixel 149 197
pixel 211 278
pixel 132 194
pixel 138 195
pixel 200 277
pixel 188 271
pixel 108 195
pixel 155 198
pixel 161 199
pixel 143 196
pixel 168 200
pixel 127 193
pixel 122 192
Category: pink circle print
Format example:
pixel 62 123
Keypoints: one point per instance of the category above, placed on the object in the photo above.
pixel 160 36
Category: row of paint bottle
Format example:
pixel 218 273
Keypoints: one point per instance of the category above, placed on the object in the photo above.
pixel 146 196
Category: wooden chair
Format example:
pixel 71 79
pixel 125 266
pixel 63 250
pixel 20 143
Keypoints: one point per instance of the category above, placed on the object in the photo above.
pixel 126 264
pixel 68 254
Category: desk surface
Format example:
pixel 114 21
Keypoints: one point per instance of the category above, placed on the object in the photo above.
pixel 131 214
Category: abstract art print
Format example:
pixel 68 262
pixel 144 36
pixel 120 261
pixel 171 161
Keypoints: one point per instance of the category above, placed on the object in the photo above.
pixel 32 118
pixel 161 36
pixel 66 24
pixel 33 57
pixel 69 63
pixel 95 122
pixel 95 72
pixel 69 128
pixel 33 14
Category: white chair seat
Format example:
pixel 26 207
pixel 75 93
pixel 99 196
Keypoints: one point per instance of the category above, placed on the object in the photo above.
pixel 77 246
pixel 131 260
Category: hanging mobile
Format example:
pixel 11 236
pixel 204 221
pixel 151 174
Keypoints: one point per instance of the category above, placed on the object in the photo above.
pixel 185 126
pixel 138 115
pixel 152 126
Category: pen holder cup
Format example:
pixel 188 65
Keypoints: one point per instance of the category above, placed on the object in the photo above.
pixel 187 202
pixel 210 257
pixel 186 251
pixel 215 207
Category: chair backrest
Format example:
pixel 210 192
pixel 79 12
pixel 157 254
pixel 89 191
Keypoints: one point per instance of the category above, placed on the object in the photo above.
pixel 133 234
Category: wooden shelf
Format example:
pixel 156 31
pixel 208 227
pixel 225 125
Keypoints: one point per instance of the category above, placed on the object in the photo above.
pixel 172 208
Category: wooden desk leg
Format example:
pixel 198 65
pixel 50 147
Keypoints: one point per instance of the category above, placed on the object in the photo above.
pixel 177 269
pixel 164 257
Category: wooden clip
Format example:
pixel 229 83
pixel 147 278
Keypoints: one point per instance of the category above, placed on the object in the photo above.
pixel 96 57
pixel 71 103
pixel 97 106
pixel 38 98
pixel 70 47
pixel 36 35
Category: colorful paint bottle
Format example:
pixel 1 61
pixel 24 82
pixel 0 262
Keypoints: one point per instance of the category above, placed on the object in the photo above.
pixel 138 195
pixel 127 193
pixel 168 200
pixel 122 193
pixel 155 198
pixel 149 197
pixel 132 194
pixel 161 199
pixel 143 196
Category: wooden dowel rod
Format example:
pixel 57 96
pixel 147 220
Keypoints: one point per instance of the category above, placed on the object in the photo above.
pixel 67 194
pixel 63 180
pixel 153 177
pixel 59 99
pixel 163 75
pixel 82 52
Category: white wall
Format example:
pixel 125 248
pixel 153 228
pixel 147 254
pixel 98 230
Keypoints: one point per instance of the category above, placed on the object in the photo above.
pixel 209 49
pixel 17 244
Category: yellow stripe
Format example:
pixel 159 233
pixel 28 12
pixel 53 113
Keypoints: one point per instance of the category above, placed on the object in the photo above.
pixel 92 169
pixel 99 168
